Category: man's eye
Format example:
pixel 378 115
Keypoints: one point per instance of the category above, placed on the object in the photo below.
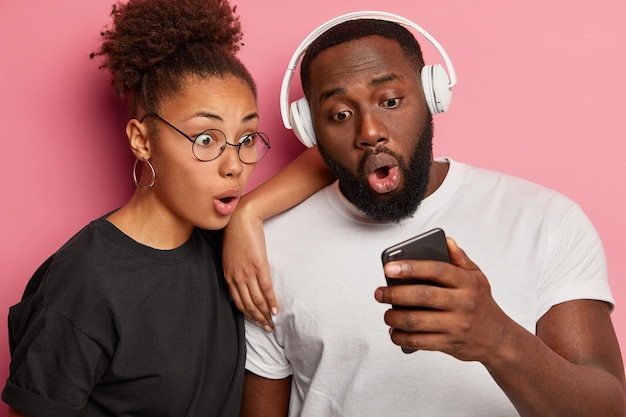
pixel 391 103
pixel 341 116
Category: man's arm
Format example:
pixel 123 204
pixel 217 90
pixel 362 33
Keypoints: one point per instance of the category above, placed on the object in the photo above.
pixel 263 397
pixel 572 367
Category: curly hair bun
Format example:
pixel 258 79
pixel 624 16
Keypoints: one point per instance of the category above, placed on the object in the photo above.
pixel 147 33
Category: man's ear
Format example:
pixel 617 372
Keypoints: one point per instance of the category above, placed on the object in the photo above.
pixel 138 139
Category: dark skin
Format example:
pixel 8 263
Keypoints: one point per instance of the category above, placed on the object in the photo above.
pixel 366 90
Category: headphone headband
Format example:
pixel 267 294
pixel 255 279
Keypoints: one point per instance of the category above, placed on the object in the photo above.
pixel 284 89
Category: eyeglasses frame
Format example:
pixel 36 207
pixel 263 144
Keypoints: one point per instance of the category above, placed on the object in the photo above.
pixel 264 137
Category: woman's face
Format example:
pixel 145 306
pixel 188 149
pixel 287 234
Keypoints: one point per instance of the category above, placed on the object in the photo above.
pixel 192 192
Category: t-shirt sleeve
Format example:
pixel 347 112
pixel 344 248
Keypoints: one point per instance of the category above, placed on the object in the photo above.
pixel 53 367
pixel 576 268
pixel 265 355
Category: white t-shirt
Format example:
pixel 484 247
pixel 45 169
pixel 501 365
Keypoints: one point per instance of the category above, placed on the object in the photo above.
pixel 536 247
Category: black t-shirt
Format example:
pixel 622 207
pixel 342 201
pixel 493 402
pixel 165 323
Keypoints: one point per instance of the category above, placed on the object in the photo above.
pixel 110 327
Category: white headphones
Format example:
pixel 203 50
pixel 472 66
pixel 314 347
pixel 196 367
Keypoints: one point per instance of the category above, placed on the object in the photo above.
pixel 436 82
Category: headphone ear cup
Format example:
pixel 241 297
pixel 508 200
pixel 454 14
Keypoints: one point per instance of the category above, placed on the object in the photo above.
pixel 301 122
pixel 436 83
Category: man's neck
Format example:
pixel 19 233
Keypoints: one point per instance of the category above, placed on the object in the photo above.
pixel 438 172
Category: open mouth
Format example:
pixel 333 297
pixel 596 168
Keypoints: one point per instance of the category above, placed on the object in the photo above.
pixel 226 204
pixel 382 171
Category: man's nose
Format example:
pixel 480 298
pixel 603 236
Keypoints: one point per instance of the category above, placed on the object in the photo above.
pixel 372 131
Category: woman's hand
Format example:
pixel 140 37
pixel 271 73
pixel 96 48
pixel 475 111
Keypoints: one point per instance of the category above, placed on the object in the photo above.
pixel 246 268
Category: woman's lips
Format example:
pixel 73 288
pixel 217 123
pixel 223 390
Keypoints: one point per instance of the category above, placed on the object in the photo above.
pixel 226 203
pixel 382 173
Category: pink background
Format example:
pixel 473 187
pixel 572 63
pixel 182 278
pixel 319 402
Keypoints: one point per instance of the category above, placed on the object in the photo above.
pixel 540 95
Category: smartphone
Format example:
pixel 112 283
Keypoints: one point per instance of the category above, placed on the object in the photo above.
pixel 430 245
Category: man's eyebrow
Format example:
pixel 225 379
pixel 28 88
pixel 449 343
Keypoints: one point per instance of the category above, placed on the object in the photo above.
pixel 373 83
pixel 384 79
pixel 332 92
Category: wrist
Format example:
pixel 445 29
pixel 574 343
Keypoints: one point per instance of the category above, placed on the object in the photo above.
pixel 508 354
pixel 247 209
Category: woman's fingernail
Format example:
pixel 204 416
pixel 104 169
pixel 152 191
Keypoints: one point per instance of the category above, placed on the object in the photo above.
pixel 274 311
pixel 268 328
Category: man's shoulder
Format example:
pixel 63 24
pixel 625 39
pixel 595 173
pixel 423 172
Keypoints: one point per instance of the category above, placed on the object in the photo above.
pixel 487 189
pixel 491 179
pixel 311 204
pixel 325 211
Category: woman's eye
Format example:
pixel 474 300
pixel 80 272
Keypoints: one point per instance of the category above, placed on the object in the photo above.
pixel 248 140
pixel 391 103
pixel 205 139
pixel 341 116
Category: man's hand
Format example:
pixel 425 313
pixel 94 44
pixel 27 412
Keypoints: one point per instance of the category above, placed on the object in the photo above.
pixel 456 314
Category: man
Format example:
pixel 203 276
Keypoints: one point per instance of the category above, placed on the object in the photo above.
pixel 517 324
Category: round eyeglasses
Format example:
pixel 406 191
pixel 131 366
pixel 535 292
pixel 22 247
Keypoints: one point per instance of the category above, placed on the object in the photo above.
pixel 211 143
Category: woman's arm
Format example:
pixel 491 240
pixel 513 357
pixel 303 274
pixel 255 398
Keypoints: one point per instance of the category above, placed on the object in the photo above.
pixel 245 260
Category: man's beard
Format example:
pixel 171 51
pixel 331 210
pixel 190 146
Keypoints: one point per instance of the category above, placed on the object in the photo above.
pixel 415 174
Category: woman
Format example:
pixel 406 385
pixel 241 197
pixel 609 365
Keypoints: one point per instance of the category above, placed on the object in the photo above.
pixel 132 316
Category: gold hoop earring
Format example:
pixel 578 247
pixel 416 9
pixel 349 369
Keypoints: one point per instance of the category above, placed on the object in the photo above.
pixel 143 187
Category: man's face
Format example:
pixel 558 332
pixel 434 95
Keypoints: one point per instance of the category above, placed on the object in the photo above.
pixel 373 126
